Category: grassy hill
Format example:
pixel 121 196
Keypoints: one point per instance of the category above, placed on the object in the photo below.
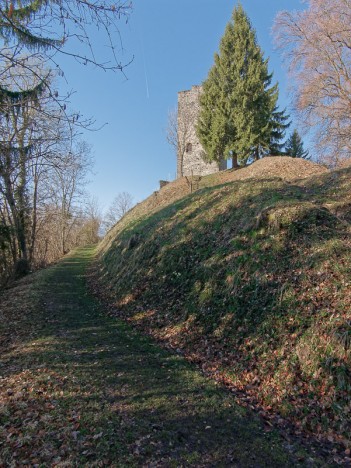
pixel 250 276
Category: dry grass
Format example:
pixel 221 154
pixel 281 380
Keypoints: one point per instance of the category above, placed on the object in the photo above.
pixel 284 167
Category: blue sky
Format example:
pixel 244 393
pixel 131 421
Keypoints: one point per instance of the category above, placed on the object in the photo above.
pixel 172 42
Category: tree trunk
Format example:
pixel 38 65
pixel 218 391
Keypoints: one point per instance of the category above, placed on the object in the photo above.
pixel 34 220
pixel 22 205
pixel 235 164
pixel 63 235
pixel 19 228
pixel 257 154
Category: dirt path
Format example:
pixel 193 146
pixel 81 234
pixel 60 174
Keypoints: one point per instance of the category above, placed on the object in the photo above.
pixel 81 389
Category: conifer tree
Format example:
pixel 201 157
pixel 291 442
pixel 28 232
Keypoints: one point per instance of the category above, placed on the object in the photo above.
pixel 214 128
pixel 41 28
pixel 279 124
pixel 294 146
pixel 238 107
pixel 15 25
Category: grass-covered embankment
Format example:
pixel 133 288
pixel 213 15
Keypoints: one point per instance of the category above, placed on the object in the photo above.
pixel 78 388
pixel 252 280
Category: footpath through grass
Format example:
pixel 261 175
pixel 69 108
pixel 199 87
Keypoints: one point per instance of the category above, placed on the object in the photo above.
pixel 81 389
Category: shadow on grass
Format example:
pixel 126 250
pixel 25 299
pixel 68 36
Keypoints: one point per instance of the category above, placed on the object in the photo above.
pixel 90 390
pixel 185 258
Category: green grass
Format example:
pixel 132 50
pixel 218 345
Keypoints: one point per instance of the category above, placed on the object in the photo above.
pixel 79 388
pixel 251 278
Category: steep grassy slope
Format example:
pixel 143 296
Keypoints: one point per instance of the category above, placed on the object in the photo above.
pixel 284 167
pixel 252 279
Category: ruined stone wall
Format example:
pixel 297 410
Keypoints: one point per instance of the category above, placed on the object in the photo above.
pixel 188 142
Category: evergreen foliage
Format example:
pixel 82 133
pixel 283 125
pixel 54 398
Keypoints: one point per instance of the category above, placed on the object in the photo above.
pixel 239 117
pixel 13 23
pixel 294 146
pixel 279 124
pixel 17 97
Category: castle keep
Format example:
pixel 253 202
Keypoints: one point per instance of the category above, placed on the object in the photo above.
pixel 190 151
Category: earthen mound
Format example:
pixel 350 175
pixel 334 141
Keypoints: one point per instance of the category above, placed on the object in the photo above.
pixel 345 164
pixel 285 167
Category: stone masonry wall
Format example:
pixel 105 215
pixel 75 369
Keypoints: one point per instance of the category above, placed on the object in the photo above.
pixel 189 144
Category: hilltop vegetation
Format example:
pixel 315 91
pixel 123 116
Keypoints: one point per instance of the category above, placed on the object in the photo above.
pixel 251 279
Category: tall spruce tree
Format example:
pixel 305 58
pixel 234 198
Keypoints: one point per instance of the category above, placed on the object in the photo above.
pixel 238 117
pixel 294 146
pixel 279 124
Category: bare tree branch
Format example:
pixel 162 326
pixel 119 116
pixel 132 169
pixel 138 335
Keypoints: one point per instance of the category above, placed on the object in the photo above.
pixel 316 45
pixel 120 205
pixel 178 132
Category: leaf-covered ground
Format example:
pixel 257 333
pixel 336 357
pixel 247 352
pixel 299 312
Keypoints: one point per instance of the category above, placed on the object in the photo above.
pixel 252 281
pixel 79 388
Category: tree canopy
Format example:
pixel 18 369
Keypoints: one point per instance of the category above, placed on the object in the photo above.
pixel 316 42
pixel 41 28
pixel 239 117
pixel 41 167
pixel 294 146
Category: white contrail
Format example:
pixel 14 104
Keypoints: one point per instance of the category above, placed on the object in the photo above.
pixel 146 80
pixel 144 63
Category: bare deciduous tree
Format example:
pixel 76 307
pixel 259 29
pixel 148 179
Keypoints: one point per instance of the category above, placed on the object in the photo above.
pixel 65 218
pixel 122 203
pixel 40 174
pixel 42 29
pixel 178 132
pixel 92 220
pixel 33 35
pixel 66 181
pixel 317 45
pixel 42 177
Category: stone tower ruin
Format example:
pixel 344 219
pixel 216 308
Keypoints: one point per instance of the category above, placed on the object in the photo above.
pixel 190 151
